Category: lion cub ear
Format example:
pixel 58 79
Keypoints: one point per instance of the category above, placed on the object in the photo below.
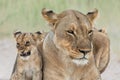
pixel 17 33
pixel 92 15
pixel 49 15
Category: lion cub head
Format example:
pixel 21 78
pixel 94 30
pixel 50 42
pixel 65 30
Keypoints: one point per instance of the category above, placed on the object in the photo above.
pixel 26 43
pixel 72 33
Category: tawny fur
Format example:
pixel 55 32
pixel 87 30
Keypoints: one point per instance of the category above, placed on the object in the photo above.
pixel 66 42
pixel 29 67
pixel 100 39
pixel 101 49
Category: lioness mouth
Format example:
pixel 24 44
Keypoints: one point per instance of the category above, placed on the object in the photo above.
pixel 80 61
pixel 25 54
pixel 81 58
pixel 78 58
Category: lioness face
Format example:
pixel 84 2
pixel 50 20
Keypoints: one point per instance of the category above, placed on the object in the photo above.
pixel 74 38
pixel 26 44
pixel 72 35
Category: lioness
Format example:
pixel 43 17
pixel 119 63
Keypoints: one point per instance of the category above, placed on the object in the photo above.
pixel 28 64
pixel 101 48
pixel 68 49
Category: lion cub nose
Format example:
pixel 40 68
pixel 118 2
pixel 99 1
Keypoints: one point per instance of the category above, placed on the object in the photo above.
pixel 84 51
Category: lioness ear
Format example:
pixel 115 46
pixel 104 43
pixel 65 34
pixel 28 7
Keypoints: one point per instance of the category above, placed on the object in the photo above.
pixel 17 33
pixel 103 30
pixel 49 15
pixel 92 15
pixel 36 35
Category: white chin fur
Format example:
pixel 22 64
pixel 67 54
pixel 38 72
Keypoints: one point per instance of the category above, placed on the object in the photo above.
pixel 80 62
pixel 25 58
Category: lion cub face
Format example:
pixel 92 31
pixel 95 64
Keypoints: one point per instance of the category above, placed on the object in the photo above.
pixel 72 33
pixel 26 43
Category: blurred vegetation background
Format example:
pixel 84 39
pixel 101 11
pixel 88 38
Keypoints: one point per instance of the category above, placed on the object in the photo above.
pixel 25 15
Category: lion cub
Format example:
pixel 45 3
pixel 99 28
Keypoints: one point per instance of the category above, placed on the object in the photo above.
pixel 28 64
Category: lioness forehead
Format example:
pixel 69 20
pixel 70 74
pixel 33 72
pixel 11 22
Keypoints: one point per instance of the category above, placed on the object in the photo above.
pixel 73 20
pixel 75 16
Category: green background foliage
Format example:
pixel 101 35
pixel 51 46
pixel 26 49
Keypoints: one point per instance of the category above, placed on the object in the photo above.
pixel 25 15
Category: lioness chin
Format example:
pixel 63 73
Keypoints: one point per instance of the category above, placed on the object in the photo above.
pixel 28 64
pixel 67 48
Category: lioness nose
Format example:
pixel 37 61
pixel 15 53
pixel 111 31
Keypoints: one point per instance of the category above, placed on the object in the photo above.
pixel 84 51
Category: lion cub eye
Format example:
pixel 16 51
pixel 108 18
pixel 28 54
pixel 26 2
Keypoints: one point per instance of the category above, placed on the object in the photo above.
pixel 70 32
pixel 27 43
pixel 18 44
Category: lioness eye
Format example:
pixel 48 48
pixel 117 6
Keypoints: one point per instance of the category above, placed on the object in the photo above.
pixel 90 32
pixel 27 43
pixel 70 31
